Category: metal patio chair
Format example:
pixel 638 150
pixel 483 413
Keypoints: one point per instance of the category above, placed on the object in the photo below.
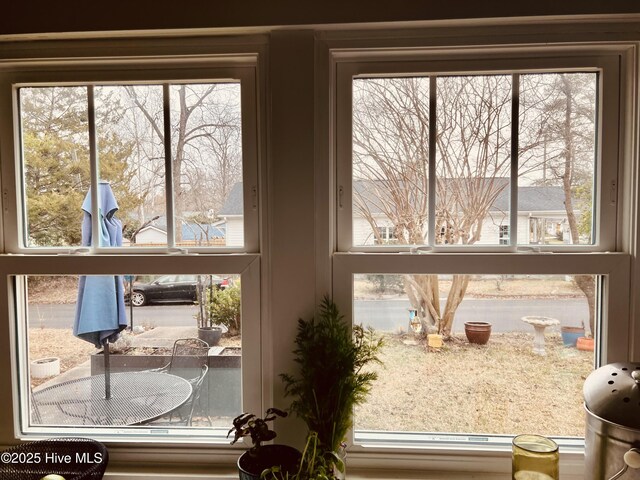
pixel 72 458
pixel 189 360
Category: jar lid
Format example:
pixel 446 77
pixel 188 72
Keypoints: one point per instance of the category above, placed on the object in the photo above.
pixel 612 392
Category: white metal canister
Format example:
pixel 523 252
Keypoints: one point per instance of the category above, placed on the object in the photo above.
pixel 612 438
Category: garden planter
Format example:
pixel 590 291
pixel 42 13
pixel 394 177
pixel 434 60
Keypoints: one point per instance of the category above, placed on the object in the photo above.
pixel 585 344
pixel 45 367
pixel 477 332
pixel 250 465
pixel 211 335
pixel 570 335
pixel 434 340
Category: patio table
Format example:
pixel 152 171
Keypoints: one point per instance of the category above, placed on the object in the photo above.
pixel 136 398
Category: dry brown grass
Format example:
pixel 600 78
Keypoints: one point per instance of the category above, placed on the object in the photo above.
pixel 53 289
pixel 57 342
pixel 494 287
pixel 499 388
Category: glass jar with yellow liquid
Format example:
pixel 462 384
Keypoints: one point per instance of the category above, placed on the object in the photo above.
pixel 535 458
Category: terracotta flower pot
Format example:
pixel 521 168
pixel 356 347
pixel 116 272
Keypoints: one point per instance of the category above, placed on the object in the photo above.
pixel 477 332
pixel 585 344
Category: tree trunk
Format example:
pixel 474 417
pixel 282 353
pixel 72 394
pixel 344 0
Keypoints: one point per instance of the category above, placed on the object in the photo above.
pixel 456 295
pixel 584 282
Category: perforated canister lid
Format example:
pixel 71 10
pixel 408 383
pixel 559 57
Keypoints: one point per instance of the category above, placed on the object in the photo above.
pixel 612 392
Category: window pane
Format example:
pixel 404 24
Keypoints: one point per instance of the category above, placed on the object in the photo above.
pixel 390 160
pixel 505 386
pixel 55 157
pixel 473 158
pixel 70 390
pixel 130 131
pixel 557 158
pixel 207 164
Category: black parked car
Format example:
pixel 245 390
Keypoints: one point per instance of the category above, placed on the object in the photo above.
pixel 172 289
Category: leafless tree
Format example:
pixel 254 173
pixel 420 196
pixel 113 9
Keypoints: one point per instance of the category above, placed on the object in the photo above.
pixel 562 121
pixel 473 143
pixel 206 143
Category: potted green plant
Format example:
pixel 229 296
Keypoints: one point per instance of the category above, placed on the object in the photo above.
pixel 218 308
pixel 332 356
pixel 260 458
pixel 313 465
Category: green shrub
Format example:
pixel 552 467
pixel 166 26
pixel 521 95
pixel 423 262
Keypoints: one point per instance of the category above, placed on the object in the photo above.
pixel 223 307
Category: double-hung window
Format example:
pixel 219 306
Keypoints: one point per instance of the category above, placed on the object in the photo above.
pixel 131 202
pixel 498 173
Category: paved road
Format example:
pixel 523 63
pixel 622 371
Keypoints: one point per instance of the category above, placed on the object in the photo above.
pixel 388 315
pixel 504 315
pixel 61 316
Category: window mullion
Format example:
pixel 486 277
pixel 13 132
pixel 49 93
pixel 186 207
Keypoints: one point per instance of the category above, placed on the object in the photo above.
pixel 94 169
pixel 513 197
pixel 431 233
pixel 168 165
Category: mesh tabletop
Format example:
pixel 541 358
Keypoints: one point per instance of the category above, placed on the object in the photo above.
pixel 136 397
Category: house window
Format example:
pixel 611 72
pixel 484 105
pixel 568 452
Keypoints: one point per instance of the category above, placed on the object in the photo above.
pixel 385 235
pixel 445 150
pixel 147 166
pixel 503 234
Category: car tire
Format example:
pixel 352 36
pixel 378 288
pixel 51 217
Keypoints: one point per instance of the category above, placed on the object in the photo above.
pixel 138 299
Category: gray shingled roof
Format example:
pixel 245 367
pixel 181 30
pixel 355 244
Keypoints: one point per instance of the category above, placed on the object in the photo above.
pixel 533 199
pixel 530 198
pixel 233 203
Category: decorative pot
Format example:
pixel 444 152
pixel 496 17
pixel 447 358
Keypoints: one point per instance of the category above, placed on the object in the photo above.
pixel 45 367
pixel 211 335
pixel 251 465
pixel 585 344
pixel 477 332
pixel 570 335
pixel 434 340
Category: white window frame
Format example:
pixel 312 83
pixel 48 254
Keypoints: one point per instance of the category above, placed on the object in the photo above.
pixel 608 257
pixel 505 61
pixel 244 261
pixel 128 72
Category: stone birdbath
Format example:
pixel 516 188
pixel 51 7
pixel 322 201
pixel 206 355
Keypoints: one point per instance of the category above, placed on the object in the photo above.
pixel 539 324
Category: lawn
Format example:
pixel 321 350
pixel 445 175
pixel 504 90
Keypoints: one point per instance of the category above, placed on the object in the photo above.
pixel 498 388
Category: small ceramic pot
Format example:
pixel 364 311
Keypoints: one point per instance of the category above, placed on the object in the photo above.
pixel 477 332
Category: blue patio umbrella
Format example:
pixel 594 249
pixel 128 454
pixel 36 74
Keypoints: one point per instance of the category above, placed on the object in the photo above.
pixel 100 310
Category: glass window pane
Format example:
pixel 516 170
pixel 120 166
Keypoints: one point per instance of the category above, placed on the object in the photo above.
pixel 67 370
pixel 557 152
pixel 55 162
pixel 390 160
pixel 206 139
pixel 130 132
pixel 473 158
pixel 505 386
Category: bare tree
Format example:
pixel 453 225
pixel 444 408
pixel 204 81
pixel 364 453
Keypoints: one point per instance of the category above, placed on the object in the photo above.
pixel 473 143
pixel 206 143
pixel 390 157
pixel 562 117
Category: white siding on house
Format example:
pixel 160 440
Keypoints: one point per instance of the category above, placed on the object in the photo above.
pixel 234 232
pixel 151 235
